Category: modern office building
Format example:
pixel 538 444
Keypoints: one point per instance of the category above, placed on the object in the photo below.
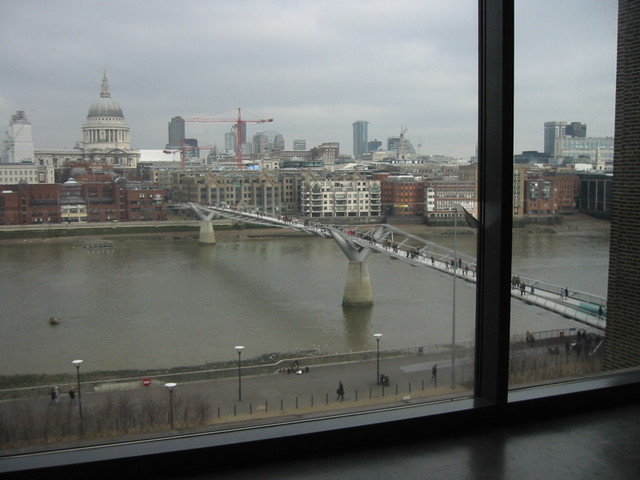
pixel 564 141
pixel 401 146
pixel 260 143
pixel 373 145
pixel 553 130
pixel 576 129
pixel 360 137
pixel 230 142
pixel 18 145
pixel 596 150
pixel 596 194
pixel 267 142
pixel 176 132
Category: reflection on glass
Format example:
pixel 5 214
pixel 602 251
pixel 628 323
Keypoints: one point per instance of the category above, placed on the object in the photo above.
pixel 151 313
pixel 562 165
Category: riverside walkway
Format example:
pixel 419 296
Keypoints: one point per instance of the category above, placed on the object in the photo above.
pixel 209 401
pixel 393 242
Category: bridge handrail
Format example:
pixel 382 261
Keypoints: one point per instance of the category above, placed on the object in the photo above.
pixel 380 237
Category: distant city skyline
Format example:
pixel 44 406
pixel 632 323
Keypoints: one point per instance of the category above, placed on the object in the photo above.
pixel 314 67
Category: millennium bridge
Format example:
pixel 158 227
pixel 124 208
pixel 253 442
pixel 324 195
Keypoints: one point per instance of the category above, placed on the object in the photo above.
pixel 358 242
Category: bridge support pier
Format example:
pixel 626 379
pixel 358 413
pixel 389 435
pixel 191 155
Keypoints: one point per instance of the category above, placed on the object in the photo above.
pixel 357 288
pixel 207 235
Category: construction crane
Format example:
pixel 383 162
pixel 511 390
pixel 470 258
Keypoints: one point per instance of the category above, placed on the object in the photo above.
pixel 402 147
pixel 239 126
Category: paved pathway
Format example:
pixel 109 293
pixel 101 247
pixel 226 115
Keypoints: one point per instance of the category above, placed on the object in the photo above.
pixel 280 395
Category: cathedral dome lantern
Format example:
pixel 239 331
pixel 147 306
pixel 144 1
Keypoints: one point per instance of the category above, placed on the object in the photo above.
pixel 105 106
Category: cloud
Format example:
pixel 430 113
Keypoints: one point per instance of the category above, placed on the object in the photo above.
pixel 315 66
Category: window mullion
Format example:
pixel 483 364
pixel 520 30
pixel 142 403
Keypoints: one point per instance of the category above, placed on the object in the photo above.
pixel 495 172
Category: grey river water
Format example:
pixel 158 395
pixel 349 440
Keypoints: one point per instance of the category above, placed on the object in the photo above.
pixel 164 303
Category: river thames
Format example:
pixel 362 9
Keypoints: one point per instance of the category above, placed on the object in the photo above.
pixel 157 303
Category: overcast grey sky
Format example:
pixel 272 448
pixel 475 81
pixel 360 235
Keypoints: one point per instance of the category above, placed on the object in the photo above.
pixel 315 66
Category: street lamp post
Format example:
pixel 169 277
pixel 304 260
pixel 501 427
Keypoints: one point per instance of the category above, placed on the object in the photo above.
pixel 77 364
pixel 239 349
pixel 377 336
pixel 453 307
pixel 170 386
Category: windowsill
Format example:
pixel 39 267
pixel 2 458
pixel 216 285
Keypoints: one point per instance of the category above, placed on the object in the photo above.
pixel 234 436
pixel 455 415
pixel 572 387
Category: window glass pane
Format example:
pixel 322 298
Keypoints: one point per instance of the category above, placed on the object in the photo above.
pixel 563 165
pixel 179 333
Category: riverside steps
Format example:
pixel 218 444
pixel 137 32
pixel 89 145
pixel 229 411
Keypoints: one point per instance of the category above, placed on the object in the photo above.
pixel 290 390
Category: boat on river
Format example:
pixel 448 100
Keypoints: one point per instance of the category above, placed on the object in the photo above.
pixel 99 244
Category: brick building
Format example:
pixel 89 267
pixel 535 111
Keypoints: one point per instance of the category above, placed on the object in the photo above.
pixel 78 201
pixel 622 344
pixel 550 193
pixel 402 195
pixel 443 195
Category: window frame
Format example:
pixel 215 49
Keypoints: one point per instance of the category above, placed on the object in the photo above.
pixel 492 401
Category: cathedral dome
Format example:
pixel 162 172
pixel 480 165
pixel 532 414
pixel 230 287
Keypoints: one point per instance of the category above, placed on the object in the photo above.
pixel 106 131
pixel 105 106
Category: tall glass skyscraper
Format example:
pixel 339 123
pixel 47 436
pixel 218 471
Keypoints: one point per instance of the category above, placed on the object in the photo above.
pixel 176 132
pixel 360 137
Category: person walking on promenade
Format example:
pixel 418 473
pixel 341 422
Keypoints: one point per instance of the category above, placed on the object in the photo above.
pixel 434 374
pixel 340 391
pixel 72 395
pixel 55 395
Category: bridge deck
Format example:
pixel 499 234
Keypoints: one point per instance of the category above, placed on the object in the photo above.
pixel 418 252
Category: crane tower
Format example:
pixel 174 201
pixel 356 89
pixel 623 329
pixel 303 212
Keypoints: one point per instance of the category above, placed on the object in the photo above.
pixel 239 124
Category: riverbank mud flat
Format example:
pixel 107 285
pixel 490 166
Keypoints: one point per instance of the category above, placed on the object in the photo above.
pixel 570 223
